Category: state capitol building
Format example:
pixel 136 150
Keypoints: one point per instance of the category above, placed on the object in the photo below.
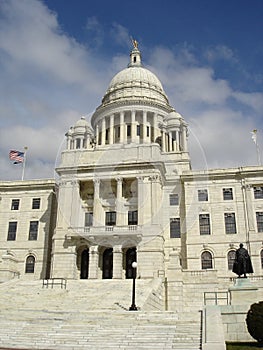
pixel 126 192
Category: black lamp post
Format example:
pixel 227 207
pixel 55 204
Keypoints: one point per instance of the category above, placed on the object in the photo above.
pixel 133 307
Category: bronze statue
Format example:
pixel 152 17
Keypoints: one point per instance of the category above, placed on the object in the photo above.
pixel 242 264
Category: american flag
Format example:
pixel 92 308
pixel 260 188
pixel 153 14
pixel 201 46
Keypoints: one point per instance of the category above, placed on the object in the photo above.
pixel 16 156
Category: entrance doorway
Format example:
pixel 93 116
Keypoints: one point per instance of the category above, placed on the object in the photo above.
pixel 107 263
pixel 131 256
pixel 84 271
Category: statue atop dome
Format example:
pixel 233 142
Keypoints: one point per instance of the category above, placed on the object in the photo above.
pixel 134 43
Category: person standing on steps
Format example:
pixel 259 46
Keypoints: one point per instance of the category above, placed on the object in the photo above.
pixel 242 264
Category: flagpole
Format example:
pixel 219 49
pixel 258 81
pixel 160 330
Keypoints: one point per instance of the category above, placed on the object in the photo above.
pixel 24 163
pixel 254 138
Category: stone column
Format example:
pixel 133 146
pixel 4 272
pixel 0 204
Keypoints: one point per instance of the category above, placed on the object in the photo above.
pixel 177 140
pixel 119 206
pixel 103 131
pixel 93 262
pixel 250 212
pixel 155 184
pixel 144 131
pixel 123 133
pixel 163 141
pixel 111 129
pixel 97 134
pixel 155 127
pixel 117 262
pixel 133 127
pixel 97 208
pixel 75 205
pixel 144 200
pixel 69 140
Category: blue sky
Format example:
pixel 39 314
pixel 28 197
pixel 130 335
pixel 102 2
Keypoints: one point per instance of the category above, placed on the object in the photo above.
pixel 57 58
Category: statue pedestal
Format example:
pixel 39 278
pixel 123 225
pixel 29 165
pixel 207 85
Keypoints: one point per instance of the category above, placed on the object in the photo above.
pixel 243 292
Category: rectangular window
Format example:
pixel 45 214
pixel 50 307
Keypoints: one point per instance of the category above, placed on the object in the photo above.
pixel 204 224
pixel 107 135
pixel 259 216
pixel 88 219
pixel 110 219
pixel 202 195
pixel 174 199
pixel 36 203
pixel 230 223
pixel 227 194
pixel 133 217
pixel 11 236
pixel 78 142
pixel 128 130
pixel 175 228
pixel 138 130
pixel 33 231
pixel 148 131
pixel 15 204
pixel 258 192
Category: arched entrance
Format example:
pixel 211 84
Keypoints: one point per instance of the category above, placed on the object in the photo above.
pixel 131 256
pixel 107 263
pixel 84 267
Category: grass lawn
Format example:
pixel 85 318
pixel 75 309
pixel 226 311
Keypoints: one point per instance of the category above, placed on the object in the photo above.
pixel 243 346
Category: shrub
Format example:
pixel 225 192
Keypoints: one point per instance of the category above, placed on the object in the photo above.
pixel 254 321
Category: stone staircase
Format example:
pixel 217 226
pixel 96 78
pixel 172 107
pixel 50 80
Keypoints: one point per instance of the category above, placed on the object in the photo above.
pixel 90 315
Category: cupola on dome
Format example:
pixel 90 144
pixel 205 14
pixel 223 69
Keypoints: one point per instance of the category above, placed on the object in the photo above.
pixel 135 83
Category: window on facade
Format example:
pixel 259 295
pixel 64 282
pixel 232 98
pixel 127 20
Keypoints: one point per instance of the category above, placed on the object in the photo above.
pixel 128 130
pixel 261 257
pixel 138 130
pixel 88 219
pixel 259 216
pixel 202 195
pixel 175 229
pixel 78 142
pixel 174 199
pixel 148 131
pixel 12 227
pixel 15 204
pixel 110 219
pixel 107 135
pixel 258 192
pixel 227 194
pixel 204 224
pixel 36 203
pixel 30 264
pixel 133 217
pixel 230 223
pixel 33 230
pixel 206 260
pixel 230 259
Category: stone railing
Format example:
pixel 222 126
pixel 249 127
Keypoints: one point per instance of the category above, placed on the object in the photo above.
pixel 104 230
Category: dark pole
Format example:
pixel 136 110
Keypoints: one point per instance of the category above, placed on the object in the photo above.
pixel 133 307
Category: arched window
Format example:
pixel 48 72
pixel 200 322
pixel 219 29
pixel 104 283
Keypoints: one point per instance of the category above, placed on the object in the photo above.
pixel 206 260
pixel 261 256
pixel 230 259
pixel 30 264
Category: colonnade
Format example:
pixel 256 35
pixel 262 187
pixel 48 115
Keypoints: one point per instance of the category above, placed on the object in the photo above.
pixel 130 127
pixel 96 262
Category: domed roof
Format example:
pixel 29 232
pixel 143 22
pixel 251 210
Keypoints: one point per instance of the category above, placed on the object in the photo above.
pixel 135 82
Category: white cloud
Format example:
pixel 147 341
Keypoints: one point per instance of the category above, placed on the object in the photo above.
pixel 220 52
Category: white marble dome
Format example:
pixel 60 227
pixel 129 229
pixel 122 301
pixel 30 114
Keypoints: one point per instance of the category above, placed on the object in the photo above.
pixel 135 83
